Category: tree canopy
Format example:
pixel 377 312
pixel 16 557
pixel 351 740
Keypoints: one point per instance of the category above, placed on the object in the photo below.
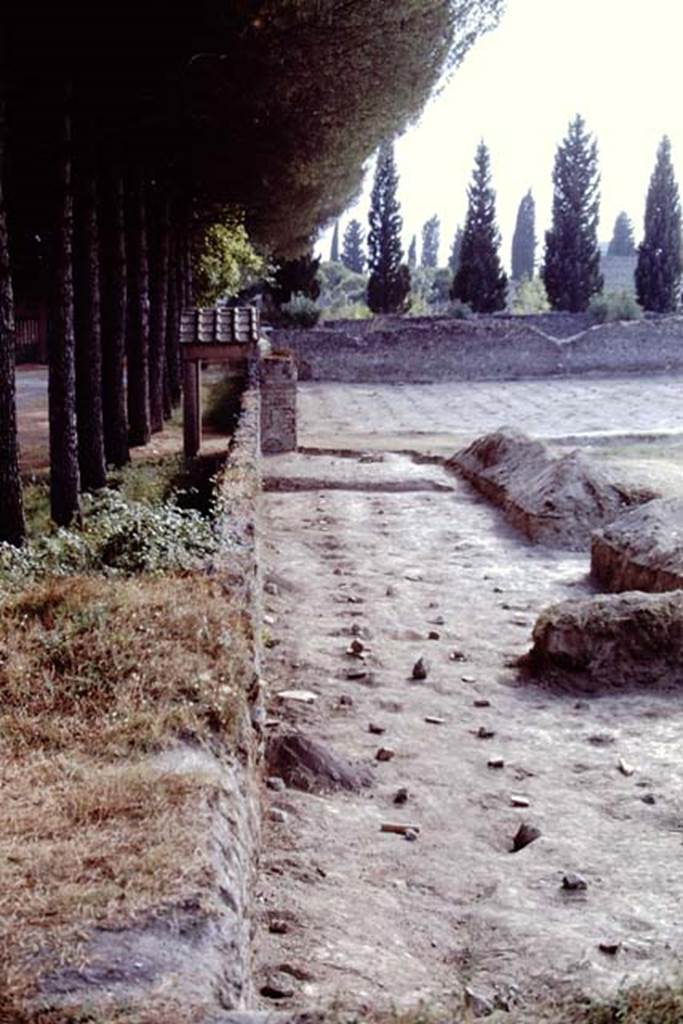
pixel 524 239
pixel 622 242
pixel 389 282
pixel 659 266
pixel 479 280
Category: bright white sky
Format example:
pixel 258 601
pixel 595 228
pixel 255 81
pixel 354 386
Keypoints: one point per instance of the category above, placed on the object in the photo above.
pixel 617 62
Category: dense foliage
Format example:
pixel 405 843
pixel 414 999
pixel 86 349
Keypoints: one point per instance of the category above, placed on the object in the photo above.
pixel 225 262
pixel 659 267
pixel 430 242
pixel 456 249
pixel 353 255
pixel 571 267
pixel 524 239
pixel 389 281
pixel 480 281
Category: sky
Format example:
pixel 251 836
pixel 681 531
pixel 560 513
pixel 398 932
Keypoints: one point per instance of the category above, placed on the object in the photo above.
pixel 617 62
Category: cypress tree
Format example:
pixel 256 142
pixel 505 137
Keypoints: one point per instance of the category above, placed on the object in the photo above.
pixel 334 248
pixel 456 249
pixel 571 268
pixel 480 280
pixel 430 242
pixel 352 250
pixel 622 243
pixel 412 253
pixel 524 239
pixel 658 271
pixel 389 283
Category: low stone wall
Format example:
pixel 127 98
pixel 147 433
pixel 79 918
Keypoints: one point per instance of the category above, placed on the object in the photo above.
pixel 641 550
pixel 432 349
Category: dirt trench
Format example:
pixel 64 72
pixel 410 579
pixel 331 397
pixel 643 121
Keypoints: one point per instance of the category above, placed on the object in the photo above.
pixel 348 913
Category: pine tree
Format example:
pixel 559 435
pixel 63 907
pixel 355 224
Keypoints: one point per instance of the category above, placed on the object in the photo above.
pixel 412 253
pixel 571 268
pixel 430 242
pixel 352 251
pixel 389 283
pixel 334 248
pixel 622 243
pixel 480 280
pixel 658 271
pixel 456 249
pixel 524 239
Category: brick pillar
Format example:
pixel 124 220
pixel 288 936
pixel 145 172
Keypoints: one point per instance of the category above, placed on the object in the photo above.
pixel 278 403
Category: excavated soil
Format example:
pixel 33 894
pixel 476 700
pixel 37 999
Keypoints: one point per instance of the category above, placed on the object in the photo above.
pixel 348 912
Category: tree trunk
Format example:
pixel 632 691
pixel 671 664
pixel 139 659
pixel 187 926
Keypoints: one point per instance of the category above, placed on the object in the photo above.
pixel 64 475
pixel 87 331
pixel 12 528
pixel 137 318
pixel 158 294
pixel 113 318
pixel 173 369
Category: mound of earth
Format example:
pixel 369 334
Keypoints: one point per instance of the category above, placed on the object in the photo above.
pixel 554 500
pixel 614 641
pixel 311 767
pixel 642 549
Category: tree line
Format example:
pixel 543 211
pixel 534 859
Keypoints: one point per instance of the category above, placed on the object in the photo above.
pixel 570 267
pixel 128 132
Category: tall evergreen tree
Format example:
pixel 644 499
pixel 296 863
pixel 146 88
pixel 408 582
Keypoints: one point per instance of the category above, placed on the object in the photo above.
pixel 334 248
pixel 352 250
pixel 389 283
pixel 456 249
pixel 622 243
pixel 412 253
pixel 658 271
pixel 480 280
pixel 524 239
pixel 571 267
pixel 430 242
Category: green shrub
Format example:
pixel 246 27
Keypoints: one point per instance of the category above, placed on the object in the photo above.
pixel 300 311
pixel 223 405
pixel 530 296
pixel 610 306
pixel 457 310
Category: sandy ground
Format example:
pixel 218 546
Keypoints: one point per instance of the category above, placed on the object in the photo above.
pixel 399 549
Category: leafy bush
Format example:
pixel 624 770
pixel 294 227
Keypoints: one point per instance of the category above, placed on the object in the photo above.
pixel 610 306
pixel 354 311
pixel 223 404
pixel 457 310
pixel 530 296
pixel 118 537
pixel 300 311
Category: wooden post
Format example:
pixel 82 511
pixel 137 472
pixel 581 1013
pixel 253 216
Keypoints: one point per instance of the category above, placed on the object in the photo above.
pixel 192 408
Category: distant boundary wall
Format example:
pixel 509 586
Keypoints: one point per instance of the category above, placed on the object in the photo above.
pixel 434 349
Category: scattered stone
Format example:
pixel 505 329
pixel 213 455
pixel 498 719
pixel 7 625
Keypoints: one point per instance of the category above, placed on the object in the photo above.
pixel 479 1004
pixel 420 668
pixel 300 973
pixel 411 835
pixel 356 674
pixel 601 739
pixel 277 987
pixel 376 730
pixel 625 768
pixel 485 733
pixel 438 620
pixel 298 696
pixel 356 649
pixel 356 629
pixel 271 588
pixel 433 635
pixel 401 796
pixel 275 783
pixel 497 590
pixel 610 948
pixel 457 655
pixel 385 754
pixel 346 700
pixel 517 800
pixel 390 591
pixel 398 828
pixel 495 762
pixel 434 720
pixel 269 620
pixel 413 577
pixel 395 706
pixel 525 835
pixel 279 816
pixel 574 882
pixel 311 767
pixel 468 679
pixel 278 926
pixel 649 798
pixel 482 702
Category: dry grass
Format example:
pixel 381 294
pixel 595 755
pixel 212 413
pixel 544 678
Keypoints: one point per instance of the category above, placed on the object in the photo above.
pixel 95 676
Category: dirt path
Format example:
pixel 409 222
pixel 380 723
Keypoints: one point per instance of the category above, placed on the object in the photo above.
pixel 376 920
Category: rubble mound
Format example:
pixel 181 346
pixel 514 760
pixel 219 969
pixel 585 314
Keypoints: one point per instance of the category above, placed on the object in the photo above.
pixel 311 767
pixel 554 500
pixel 614 641
pixel 642 549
